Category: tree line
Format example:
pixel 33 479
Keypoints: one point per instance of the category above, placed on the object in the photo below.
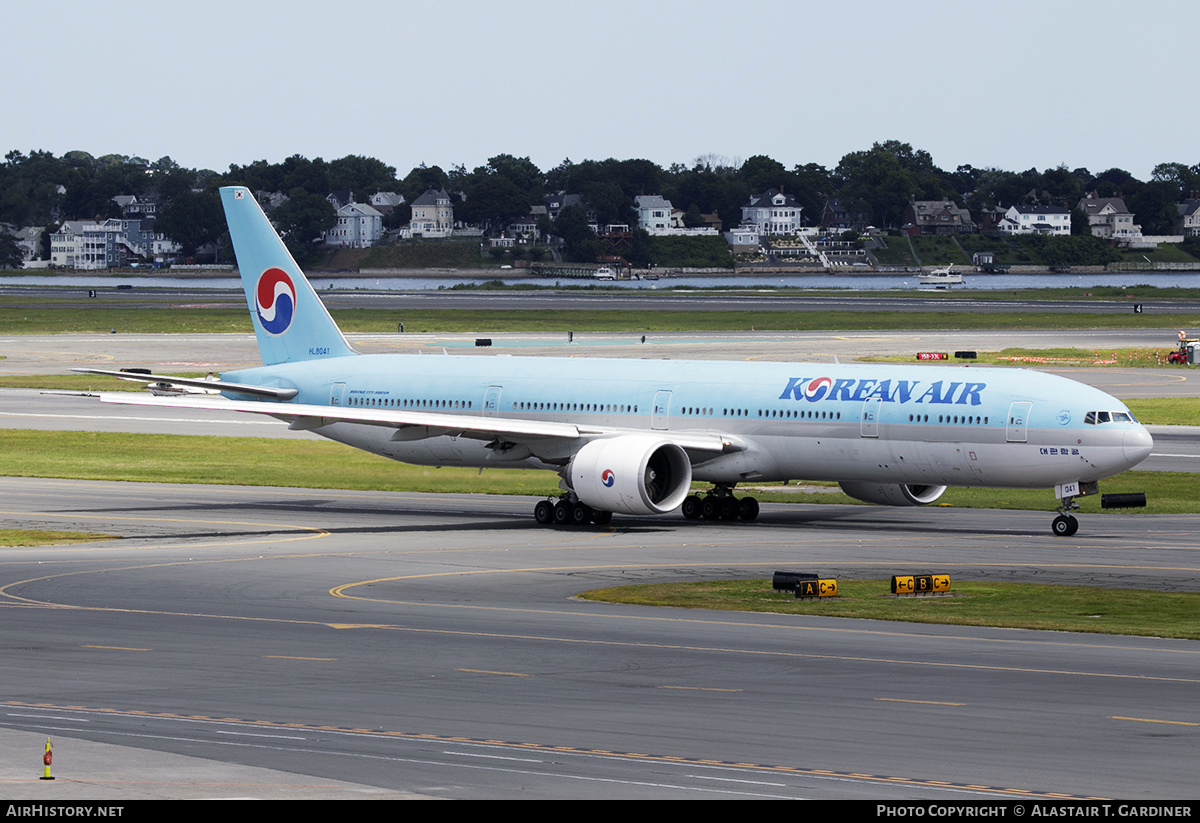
pixel 874 185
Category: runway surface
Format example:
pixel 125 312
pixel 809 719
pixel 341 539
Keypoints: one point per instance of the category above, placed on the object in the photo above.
pixel 432 644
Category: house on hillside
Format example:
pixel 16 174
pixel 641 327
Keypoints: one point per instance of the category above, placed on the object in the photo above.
pixel 654 213
pixel 340 197
pixel 358 226
pixel 835 217
pixel 1187 217
pixel 29 241
pixel 432 215
pixel 88 244
pixel 772 213
pixel 936 217
pixel 1026 219
pixel 134 207
pixel 1109 218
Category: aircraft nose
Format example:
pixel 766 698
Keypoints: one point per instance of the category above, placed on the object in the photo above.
pixel 1137 445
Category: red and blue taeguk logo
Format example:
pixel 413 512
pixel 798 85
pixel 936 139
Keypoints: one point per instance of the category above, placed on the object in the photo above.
pixel 276 301
pixel 816 389
pixel 607 477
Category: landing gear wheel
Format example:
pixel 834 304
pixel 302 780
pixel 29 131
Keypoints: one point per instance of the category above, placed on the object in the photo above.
pixel 691 507
pixel 543 513
pixel 708 508
pixel 562 513
pixel 748 508
pixel 728 508
pixel 1064 525
pixel 601 518
pixel 581 514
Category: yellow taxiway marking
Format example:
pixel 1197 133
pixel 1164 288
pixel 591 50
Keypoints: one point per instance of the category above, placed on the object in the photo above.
pixel 117 648
pixel 488 671
pixel 294 657
pixel 1152 720
pixel 698 689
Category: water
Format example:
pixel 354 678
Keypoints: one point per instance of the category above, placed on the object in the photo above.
pixel 860 282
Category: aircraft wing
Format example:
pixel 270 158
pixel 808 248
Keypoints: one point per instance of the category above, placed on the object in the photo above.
pixel 416 425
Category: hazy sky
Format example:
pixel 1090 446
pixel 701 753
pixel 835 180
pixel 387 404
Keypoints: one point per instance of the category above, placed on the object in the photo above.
pixel 1012 85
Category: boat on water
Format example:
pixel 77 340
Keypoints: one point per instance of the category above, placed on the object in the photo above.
pixel 942 278
pixel 605 273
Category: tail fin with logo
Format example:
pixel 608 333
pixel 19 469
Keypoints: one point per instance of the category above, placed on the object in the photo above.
pixel 290 321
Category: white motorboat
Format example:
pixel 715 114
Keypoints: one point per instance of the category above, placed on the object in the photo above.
pixel 943 277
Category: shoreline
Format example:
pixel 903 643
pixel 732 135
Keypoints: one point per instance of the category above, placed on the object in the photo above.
pixel 521 274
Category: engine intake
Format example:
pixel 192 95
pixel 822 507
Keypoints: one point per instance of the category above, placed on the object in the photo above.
pixel 631 474
pixel 892 495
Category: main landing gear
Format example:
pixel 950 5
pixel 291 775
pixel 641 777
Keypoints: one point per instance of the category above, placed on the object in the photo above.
pixel 720 504
pixel 568 511
pixel 1065 524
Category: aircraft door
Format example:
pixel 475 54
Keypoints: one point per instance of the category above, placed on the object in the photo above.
pixel 337 394
pixel 1017 430
pixel 491 401
pixel 870 417
pixel 660 415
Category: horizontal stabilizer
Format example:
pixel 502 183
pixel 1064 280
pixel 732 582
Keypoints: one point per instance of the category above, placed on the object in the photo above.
pixel 197 383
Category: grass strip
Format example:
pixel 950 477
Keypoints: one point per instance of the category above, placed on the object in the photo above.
pixel 1051 358
pixel 248 461
pixel 1166 493
pixel 207 319
pixel 1007 605
pixel 13 538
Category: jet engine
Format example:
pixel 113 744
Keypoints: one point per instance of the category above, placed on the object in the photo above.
pixel 631 474
pixel 893 495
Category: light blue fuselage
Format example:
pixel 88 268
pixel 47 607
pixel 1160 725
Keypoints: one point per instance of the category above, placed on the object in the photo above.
pixel 895 424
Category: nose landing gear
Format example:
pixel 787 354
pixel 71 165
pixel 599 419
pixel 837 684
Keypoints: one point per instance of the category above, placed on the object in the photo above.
pixel 1065 524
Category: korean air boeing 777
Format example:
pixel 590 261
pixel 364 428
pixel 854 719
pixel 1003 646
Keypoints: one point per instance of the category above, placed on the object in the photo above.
pixel 630 436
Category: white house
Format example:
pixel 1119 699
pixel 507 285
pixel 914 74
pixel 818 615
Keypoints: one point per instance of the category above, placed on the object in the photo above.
pixel 654 213
pixel 359 226
pixel 772 212
pixel 1025 219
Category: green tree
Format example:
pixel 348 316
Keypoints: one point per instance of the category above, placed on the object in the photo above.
pixel 760 173
pixel 193 219
pixel 572 226
pixel 11 256
pixel 301 222
pixel 362 175
pixel 496 201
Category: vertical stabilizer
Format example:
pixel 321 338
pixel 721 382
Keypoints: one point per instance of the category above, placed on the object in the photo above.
pixel 290 321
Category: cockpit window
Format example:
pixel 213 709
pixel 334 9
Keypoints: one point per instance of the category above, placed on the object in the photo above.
pixel 1094 417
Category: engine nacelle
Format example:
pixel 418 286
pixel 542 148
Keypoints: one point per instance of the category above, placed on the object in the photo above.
pixel 632 474
pixel 893 495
